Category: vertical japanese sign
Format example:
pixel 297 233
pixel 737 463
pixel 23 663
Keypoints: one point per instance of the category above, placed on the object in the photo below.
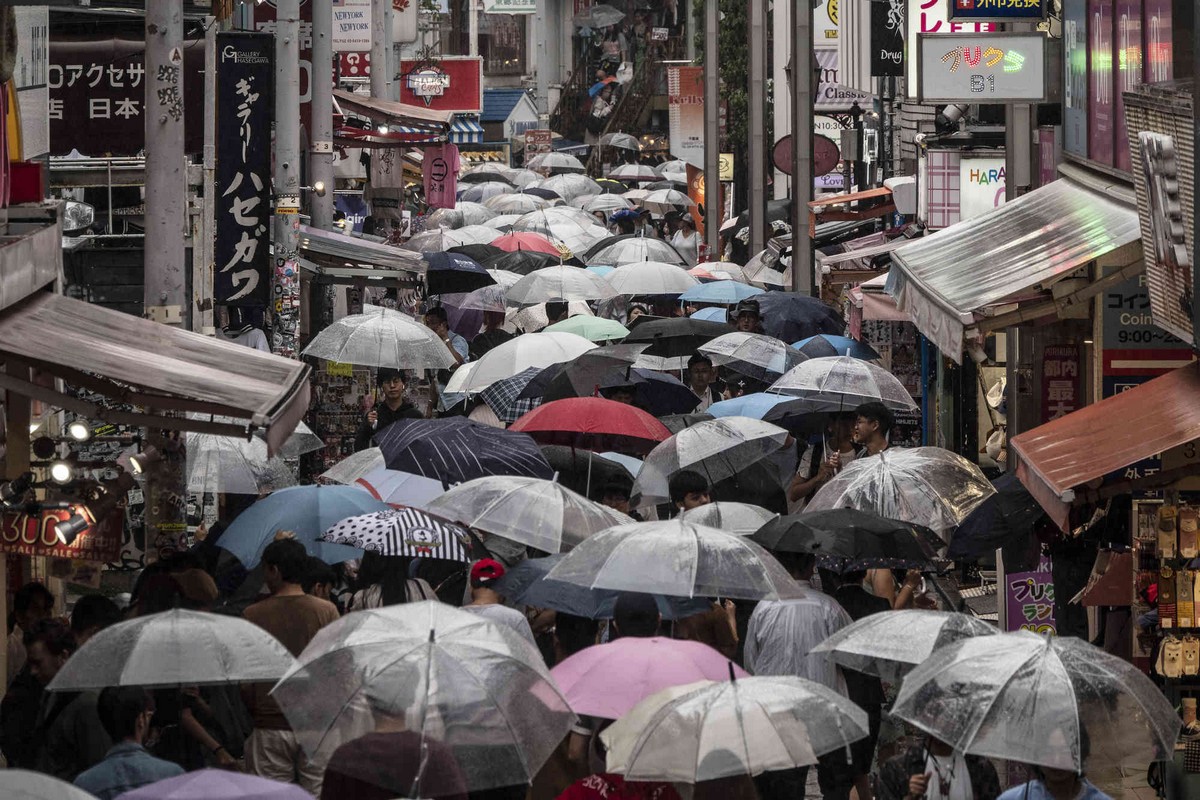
pixel 245 105
pixel 1060 381
pixel 685 103
pixel 440 170
pixel 1075 77
pixel 1100 81
pixel 1029 599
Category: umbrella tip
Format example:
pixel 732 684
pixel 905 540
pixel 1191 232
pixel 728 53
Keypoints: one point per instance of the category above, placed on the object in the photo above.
pixel 431 635
pixel 732 677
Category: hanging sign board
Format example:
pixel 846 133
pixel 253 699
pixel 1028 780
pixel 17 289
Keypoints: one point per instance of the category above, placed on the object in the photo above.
pixel 997 10
pixel 988 68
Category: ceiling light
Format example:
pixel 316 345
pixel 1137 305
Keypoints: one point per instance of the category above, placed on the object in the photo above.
pixel 61 472
pixel 144 460
pixel 79 430
pixel 69 529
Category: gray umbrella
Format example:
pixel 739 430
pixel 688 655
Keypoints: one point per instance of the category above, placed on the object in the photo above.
pixel 381 337
pixel 844 380
pixel 753 354
pixel 560 283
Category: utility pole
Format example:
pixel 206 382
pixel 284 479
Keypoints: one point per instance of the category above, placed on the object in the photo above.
pixel 164 281
pixel 287 125
pixel 802 131
pixel 1195 187
pixel 380 36
pixel 712 129
pixel 321 155
pixel 756 125
pixel 473 27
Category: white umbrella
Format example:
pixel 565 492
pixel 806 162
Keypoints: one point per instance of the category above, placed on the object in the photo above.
pixel 635 196
pixel 521 353
pixel 505 278
pixel 474 234
pixel 21 784
pixel 752 354
pixel 175 648
pixel 559 283
pixel 532 511
pixel 554 163
pixel 607 203
pixel 534 317
pixel 624 141
pixel 570 186
pixel 669 170
pixel 633 172
pixel 650 277
pixel 740 519
pixel 514 203
pixel 662 201
pixel 844 380
pixel 398 488
pixel 234 465
pixel 381 337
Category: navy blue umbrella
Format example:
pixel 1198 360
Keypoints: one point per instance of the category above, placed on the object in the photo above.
pixel 1004 520
pixel 545 194
pixel 791 317
pixel 456 449
pixel 656 392
pixel 454 273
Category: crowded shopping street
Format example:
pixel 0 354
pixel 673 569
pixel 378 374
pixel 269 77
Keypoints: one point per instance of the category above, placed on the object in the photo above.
pixel 531 400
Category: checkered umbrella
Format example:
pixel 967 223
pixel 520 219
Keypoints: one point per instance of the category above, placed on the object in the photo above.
pixel 403 532
pixel 504 396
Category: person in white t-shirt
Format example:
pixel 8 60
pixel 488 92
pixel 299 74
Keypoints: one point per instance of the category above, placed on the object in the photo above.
pixel 822 460
pixel 489 604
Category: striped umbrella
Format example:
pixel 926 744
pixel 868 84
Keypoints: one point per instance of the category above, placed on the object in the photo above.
pixel 403 532
pixel 454 450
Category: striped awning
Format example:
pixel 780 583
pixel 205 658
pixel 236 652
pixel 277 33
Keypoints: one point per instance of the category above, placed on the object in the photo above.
pixel 465 130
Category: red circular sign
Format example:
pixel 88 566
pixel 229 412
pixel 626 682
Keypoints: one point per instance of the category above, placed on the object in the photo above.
pixel 825 155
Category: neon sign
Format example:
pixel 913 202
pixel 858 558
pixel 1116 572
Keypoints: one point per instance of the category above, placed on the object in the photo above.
pixel 970 68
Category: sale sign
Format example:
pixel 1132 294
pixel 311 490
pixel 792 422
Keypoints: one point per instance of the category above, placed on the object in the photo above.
pixel 32 533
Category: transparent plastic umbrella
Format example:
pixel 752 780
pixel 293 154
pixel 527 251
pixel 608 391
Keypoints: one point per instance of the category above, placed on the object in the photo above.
pixel 649 278
pixel 670 169
pixel 485 298
pixel 570 186
pixel 532 511
pixel 437 240
pixel 234 465
pixel 927 486
pixel 458 682
pixel 380 337
pixel 663 201
pixel 541 221
pixel 1032 699
pixel 740 519
pixel 175 648
pixel 624 141
pixel 607 203
pixel 890 644
pixel 465 212
pixel 753 354
pixel 514 203
pixel 504 278
pixel 21 784
pixel 632 172
pixel 716 449
pixel 535 318
pixel 629 249
pixel 676 558
pixel 717 729
pixel 846 380
pixel 560 283
pixel 555 163
pixel 522 352
pixel 355 466
pixel 599 16
pixel 480 192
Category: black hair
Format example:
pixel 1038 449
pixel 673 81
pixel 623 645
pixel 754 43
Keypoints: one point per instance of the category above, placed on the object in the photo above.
pixel 289 557
pixel 438 313
pixel 796 563
pixel 616 486
pixel 385 374
pixel 23 597
pixel 317 571
pixel 684 483
pixel 390 573
pixel 574 633
pixel 54 635
pixel 555 309
pixel 93 611
pixel 119 708
pixel 636 614
pixel 876 412
pixel 699 358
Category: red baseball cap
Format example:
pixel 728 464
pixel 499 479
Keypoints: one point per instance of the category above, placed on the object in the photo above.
pixel 486 570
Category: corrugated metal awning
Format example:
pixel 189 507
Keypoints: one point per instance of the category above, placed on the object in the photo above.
pixel 942 281
pixel 391 112
pixel 158 367
pixel 1056 458
pixel 464 130
pixel 337 250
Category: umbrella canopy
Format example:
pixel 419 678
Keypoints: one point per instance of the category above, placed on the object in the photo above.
pixel 233 465
pixel 305 511
pixel 616 251
pixel 454 273
pixel 716 449
pixel 594 329
pixel 380 337
pixel 503 222
pixel 463 213
pixel 740 519
pixel 607 203
pixel 532 511
pixel 403 532
pixel 676 558
pixel 480 192
pixel 537 318
pixel 483 176
pixel 633 195
pixel 718 271
pixel 574 228
pixel 437 240
pixel 570 186
pixel 524 240
pixel 1030 698
pixel 927 486
pixel 649 278
pixel 599 16
pixel 890 644
pixel 215 784
pixel 676 336
pixel 624 141
pixel 455 449
pixel 522 177
pixel 794 414
pixel 479 252
pixel 726 292
pixel 663 201
pixel 824 345
pixel 504 396
pixel 556 163
pixel 752 354
pixel 522 262
pixel 632 172
pixel 397 488
pixel 175 648
pixel 581 376
pixel 847 540
pixel 1004 520
pixel 486 298
pixel 713 314
pixel 656 392
pixel 354 466
pixel 462 683
pixel 592 423
pixel 846 381
pixel 584 471
pixel 520 353
pixel 20 784
pixel 472 236
pixel 514 203
pixel 558 284
pixel 503 277
pixel 718 729
pixel 672 169
pixel 789 317
pixel 608 680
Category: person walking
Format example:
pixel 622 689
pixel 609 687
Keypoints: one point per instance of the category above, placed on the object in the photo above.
pixel 391 407
pixel 125 713
pixel 934 771
pixel 486 602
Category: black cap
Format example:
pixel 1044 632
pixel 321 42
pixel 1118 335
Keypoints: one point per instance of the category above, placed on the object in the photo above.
pixel 747 307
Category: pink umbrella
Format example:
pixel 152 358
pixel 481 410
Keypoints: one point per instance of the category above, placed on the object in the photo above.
pixel 606 680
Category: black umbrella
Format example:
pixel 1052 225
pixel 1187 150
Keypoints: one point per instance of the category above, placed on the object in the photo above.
pixel 455 449
pixel 655 392
pixel 571 466
pixel 479 252
pixel 611 186
pixel 676 336
pixel 677 422
pixel 791 317
pixel 846 540
pixel 484 177
pixel 454 273
pixel 581 376
pixel 545 194
pixel 1005 520
pixel 524 262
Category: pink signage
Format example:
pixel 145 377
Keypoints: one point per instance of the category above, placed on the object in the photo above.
pixel 1158 54
pixel 1128 47
pixel 1101 84
pixel 440 171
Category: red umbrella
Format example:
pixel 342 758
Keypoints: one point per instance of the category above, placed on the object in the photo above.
pixel 593 423
pixel 527 241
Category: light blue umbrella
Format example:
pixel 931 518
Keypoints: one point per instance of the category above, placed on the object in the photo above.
pixel 824 345
pixel 727 292
pixel 305 511
pixel 634 465
pixel 711 314
pixel 601 271
pixel 786 413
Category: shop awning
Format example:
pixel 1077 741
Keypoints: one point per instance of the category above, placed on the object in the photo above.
pixel 392 112
pixel 156 367
pixel 1056 458
pixel 868 301
pixel 944 280
pixel 464 130
pixel 340 256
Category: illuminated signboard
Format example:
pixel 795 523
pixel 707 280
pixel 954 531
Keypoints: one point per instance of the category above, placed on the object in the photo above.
pixel 997 10
pixel 992 68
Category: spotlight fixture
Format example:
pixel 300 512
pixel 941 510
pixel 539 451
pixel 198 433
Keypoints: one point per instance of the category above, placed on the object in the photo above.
pixel 12 492
pixel 318 188
pixel 69 529
pixel 144 460
pixel 382 129
pixel 61 472
pixel 79 430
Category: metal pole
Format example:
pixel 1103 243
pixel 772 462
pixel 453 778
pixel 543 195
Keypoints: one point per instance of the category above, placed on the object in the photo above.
pixel 202 257
pixel 379 48
pixel 1195 186
pixel 756 125
pixel 321 155
pixel 712 130
pixel 473 27
pixel 541 70
pixel 802 168
pixel 287 125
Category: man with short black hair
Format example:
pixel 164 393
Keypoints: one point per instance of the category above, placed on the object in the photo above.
pixel 391 407
pixel 636 614
pixel 688 490
pixel 91 614
pixel 492 335
pixel 872 424
pixel 32 602
pixel 437 321
pixel 125 713
pixel 319 578
pixel 700 381
pixel 557 311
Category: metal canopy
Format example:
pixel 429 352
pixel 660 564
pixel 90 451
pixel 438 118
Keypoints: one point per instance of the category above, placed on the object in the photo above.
pixel 944 279
pixel 338 256
pixel 156 367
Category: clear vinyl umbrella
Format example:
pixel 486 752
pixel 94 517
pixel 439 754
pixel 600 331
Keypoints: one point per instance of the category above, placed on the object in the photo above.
pixel 380 337
pixel 676 558
pixel 515 203
pixel 535 318
pixel 355 466
pixel 752 354
pixel 465 212
pixel 846 380
pixel 928 486
pixel 650 278
pixel 717 729
pixel 457 684
pixel 673 170
pixel 175 648
pixel 607 204
pixel 560 283
pixel 481 192
pixel 535 512
pixel 631 248
pixel 234 465
pixel 623 141
pixel 716 449
pixel 556 164
pixel 21 784
pixel 890 644
pixel 664 201
pixel 632 172
pixel 740 519
pixel 1034 699
pixel 522 352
